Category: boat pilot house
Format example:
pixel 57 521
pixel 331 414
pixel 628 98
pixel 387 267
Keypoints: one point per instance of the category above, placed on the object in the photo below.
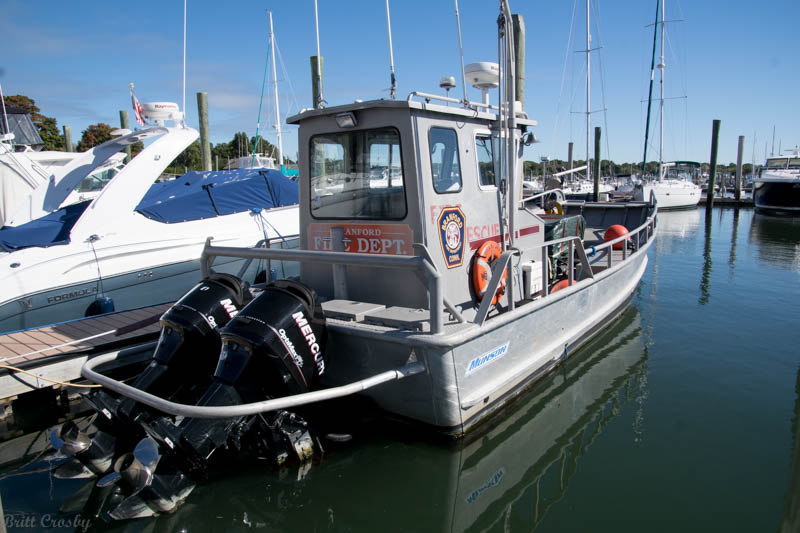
pixel 403 178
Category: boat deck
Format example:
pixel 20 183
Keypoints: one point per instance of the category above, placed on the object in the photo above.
pixel 56 353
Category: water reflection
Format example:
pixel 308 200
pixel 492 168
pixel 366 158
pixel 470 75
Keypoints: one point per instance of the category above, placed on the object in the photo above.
pixel 507 476
pixel 675 227
pixel 777 240
pixel 705 279
pixel 734 236
pixel 791 509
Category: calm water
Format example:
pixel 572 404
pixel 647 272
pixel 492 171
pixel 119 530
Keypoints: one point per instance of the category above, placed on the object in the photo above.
pixel 682 416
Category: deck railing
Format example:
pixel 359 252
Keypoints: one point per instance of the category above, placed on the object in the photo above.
pixel 424 267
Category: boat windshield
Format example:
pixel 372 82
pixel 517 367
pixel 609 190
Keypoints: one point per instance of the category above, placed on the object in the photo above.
pixel 357 175
pixel 783 162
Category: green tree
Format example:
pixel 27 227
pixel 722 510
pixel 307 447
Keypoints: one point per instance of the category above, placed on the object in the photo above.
pixel 47 126
pixel 94 135
pixel 189 159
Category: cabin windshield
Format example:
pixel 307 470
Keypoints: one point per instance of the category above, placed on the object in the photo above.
pixel 357 175
pixel 783 162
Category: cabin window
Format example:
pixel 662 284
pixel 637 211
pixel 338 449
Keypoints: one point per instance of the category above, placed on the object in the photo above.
pixel 445 164
pixel 783 162
pixel 483 152
pixel 357 175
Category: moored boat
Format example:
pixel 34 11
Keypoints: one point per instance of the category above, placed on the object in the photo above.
pixel 138 242
pixel 428 284
pixel 777 188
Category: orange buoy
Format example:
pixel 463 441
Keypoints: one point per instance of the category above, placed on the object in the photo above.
pixel 483 259
pixel 613 232
pixel 563 284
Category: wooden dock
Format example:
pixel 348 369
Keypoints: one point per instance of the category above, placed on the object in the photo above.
pixel 53 355
pixel 729 202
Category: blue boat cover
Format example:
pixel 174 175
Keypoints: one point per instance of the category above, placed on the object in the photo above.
pixel 194 196
pixel 45 231
pixel 197 195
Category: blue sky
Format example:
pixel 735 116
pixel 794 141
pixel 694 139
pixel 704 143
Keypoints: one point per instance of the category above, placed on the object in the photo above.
pixel 733 61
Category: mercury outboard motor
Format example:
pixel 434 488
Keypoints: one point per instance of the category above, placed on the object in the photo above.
pixel 181 369
pixel 273 348
pixel 189 345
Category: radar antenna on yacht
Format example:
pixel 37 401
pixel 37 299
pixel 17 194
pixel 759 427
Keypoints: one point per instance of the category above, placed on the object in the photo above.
pixel 483 75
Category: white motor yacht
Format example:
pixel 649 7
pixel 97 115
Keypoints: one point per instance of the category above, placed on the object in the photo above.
pixel 131 246
pixel 777 189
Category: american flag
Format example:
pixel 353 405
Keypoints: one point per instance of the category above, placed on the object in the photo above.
pixel 137 109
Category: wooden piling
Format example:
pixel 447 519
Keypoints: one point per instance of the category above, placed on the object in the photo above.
pixel 712 173
pixel 569 155
pixel 123 123
pixel 316 81
pixel 737 192
pixel 205 144
pixel 596 164
pixel 519 59
pixel 68 139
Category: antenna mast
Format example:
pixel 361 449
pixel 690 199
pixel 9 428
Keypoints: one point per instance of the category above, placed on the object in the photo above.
pixel 661 67
pixel 320 99
pixel 184 64
pixel 772 151
pixel 461 55
pixel 275 91
pixel 391 53
pixel 5 117
pixel 588 92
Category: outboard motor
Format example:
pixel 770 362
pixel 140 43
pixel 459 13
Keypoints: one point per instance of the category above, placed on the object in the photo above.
pixel 273 347
pixel 181 369
pixel 189 345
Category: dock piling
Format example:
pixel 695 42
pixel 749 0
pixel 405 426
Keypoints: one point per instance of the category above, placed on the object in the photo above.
pixel 596 164
pixel 316 81
pixel 123 123
pixel 68 139
pixel 737 192
pixel 519 59
pixel 205 145
pixel 712 173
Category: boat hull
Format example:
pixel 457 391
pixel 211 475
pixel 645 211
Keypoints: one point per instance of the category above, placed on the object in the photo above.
pixel 474 370
pixel 141 288
pixel 674 196
pixel 777 197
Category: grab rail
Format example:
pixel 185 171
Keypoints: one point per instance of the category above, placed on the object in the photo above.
pixel 227 411
pixel 414 263
pixel 426 270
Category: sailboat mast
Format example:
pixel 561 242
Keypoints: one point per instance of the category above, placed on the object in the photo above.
pixel 588 91
pixel 650 92
pixel 275 91
pixel 661 67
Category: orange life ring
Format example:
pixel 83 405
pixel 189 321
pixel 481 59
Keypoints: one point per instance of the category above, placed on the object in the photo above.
pixel 482 262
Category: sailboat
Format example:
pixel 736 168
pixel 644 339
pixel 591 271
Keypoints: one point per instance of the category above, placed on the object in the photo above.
pixel 583 188
pixel 258 159
pixel 671 189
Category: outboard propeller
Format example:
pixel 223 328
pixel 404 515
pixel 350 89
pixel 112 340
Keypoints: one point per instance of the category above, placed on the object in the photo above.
pixel 182 364
pixel 95 453
pixel 218 347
